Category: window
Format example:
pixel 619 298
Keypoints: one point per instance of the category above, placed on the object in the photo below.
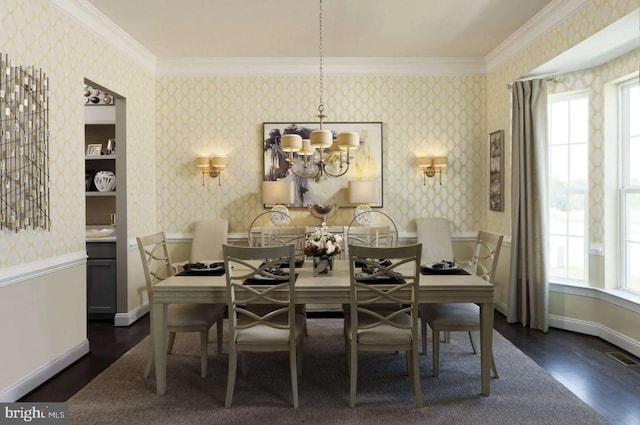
pixel 630 184
pixel 568 184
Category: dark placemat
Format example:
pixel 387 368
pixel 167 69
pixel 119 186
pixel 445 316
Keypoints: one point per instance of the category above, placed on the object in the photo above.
pixel 460 272
pixel 383 280
pixel 254 281
pixel 214 272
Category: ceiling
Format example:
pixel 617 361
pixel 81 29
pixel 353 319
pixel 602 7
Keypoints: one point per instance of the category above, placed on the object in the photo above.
pixel 290 28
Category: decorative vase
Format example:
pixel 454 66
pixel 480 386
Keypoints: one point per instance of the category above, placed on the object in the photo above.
pixel 105 181
pixel 322 265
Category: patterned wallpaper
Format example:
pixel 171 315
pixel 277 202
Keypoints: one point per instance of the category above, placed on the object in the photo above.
pixel 203 115
pixel 172 119
pixel 586 21
pixel 33 32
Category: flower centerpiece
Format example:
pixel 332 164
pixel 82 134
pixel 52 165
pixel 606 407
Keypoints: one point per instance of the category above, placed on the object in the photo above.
pixel 322 245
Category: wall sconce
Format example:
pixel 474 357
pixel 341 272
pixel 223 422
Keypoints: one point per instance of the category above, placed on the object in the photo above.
pixel 211 165
pixel 430 165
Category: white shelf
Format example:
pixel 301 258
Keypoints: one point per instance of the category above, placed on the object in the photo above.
pixel 98 157
pixel 112 193
pixel 100 114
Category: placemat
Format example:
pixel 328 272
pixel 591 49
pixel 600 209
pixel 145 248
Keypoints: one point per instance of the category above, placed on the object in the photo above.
pixel 216 272
pixel 462 272
pixel 254 281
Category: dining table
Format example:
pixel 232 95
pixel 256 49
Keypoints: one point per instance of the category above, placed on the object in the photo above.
pixel 331 289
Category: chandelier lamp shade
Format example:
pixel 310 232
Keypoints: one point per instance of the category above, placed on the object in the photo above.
pixel 320 154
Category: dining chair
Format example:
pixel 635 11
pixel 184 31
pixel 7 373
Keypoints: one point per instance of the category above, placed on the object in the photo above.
pixel 276 228
pixel 157 266
pixel 450 317
pixel 262 275
pixel 208 237
pixel 374 229
pixel 434 234
pixel 368 329
pixel 206 247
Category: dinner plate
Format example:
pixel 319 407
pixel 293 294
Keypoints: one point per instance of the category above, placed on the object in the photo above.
pixel 206 269
pixel 431 267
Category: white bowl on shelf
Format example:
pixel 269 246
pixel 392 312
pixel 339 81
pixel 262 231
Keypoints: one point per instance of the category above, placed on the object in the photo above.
pixel 102 232
pixel 105 181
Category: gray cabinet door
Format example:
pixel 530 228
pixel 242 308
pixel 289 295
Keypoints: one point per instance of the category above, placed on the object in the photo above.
pixel 101 286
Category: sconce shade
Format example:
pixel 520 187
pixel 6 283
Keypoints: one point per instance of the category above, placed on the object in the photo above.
pixel 321 138
pixel 363 192
pixel 440 161
pixel 348 140
pixel 291 142
pixel 218 162
pixel 202 162
pixel 277 192
pixel 423 161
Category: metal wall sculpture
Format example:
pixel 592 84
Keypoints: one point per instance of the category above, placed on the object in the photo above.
pixel 24 147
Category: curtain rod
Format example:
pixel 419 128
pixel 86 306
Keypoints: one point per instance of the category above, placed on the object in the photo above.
pixel 554 79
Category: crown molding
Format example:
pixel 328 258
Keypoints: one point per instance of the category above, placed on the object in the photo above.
pixel 95 21
pixel 309 66
pixel 545 20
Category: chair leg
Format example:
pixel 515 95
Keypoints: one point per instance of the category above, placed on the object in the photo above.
pixel 150 362
pixel 415 375
pixel 172 339
pixel 294 374
pixel 353 373
pixel 473 344
pixel 231 378
pixel 447 337
pixel 204 341
pixel 219 332
pixel 423 326
pixel 493 367
pixel 436 352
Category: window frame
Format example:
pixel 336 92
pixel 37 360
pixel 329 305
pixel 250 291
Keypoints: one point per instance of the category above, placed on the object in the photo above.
pixel 625 188
pixel 559 98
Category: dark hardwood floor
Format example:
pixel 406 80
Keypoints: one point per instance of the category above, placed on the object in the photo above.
pixel 578 361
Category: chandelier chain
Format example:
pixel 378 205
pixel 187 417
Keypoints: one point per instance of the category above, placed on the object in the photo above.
pixel 321 105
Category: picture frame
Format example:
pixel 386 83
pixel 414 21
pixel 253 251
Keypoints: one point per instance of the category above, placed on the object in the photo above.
pixel 94 149
pixel 111 146
pixel 496 170
pixel 365 163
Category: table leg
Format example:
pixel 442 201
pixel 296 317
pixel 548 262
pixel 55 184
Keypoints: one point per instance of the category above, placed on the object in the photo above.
pixel 486 345
pixel 159 336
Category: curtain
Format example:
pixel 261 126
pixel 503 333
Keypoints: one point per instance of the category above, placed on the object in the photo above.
pixel 529 283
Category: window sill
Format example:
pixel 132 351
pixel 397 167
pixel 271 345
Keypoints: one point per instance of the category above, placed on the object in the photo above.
pixel 617 297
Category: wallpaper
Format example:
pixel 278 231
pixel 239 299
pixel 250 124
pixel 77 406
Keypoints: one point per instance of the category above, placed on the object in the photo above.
pixel 224 115
pixel 35 33
pixel 589 19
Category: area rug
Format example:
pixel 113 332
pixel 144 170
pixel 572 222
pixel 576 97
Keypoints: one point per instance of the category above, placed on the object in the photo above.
pixel 524 393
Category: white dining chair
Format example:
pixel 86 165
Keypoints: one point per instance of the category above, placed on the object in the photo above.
pixel 371 329
pixel 255 277
pixel 451 317
pixel 157 266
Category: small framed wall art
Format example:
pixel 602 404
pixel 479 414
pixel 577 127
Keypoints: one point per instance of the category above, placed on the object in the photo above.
pixel 94 149
pixel 496 166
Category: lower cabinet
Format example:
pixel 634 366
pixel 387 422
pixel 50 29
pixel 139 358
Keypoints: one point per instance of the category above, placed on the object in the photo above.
pixel 101 280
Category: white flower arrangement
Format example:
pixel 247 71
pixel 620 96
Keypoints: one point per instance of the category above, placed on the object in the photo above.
pixel 322 242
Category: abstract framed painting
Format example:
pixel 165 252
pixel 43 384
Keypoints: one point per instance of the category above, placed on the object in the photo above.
pixel 365 162
pixel 496 166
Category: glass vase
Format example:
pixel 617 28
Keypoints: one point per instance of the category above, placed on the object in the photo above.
pixel 322 265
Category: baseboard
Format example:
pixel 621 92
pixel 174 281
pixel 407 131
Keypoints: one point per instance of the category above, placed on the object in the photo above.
pixel 127 319
pixel 596 329
pixel 500 307
pixel 44 373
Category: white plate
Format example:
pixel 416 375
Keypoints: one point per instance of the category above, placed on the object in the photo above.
pixel 453 268
pixel 98 233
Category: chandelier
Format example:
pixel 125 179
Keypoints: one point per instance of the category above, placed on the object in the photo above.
pixel 320 154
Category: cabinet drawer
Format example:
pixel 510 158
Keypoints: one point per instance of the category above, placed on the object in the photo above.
pixel 101 250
